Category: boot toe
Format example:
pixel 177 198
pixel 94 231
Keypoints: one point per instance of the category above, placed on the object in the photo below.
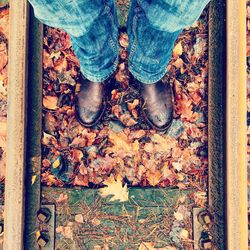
pixel 161 121
pixel 88 118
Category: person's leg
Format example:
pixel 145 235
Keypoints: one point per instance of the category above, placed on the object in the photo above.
pixel 153 27
pixel 93 28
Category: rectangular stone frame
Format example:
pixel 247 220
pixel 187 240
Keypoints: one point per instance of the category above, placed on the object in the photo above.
pixel 227 125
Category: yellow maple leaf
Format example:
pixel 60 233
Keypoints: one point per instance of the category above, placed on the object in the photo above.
pixel 114 188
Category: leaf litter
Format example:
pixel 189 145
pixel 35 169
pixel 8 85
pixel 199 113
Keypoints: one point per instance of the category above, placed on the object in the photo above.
pixel 123 144
pixel 122 150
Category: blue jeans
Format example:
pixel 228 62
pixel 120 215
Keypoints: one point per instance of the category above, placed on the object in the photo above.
pixel 153 26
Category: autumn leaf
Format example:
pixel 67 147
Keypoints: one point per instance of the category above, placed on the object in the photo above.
pixel 114 188
pixel 33 179
pixel 81 180
pixel 153 177
pixel 121 143
pixel 67 231
pixel 77 155
pixel 177 51
pixel 123 40
pixel 61 65
pixel 184 234
pixel 133 105
pixel 50 102
pixel 79 218
pixel 178 215
pixel 3 56
pixel 62 198
pixel 4 22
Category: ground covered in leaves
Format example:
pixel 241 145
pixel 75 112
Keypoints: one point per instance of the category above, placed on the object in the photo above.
pixel 123 144
pixel 123 151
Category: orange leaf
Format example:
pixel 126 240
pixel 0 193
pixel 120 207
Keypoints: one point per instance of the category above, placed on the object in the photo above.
pixel 50 102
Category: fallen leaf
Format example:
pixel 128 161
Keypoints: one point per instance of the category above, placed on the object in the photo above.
pixel 4 22
pixel 3 55
pixel 33 179
pixel 184 234
pixel 123 40
pixel 61 65
pixel 79 218
pixel 96 222
pixel 67 231
pixel 56 163
pixel 153 177
pixel 50 102
pixel 178 215
pixel 133 105
pixel 114 188
pixel 177 51
pixel 62 198
pixel 81 180
pixel 177 166
pixel 77 155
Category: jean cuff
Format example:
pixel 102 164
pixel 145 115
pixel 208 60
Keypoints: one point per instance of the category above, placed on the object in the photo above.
pixel 145 77
pixel 102 77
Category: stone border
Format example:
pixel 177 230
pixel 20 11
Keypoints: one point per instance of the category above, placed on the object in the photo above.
pixel 34 131
pixel 15 167
pixel 236 129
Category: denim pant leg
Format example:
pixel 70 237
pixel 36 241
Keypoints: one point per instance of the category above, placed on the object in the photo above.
pixel 93 28
pixel 153 27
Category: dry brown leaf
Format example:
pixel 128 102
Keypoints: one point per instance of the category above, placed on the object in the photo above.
pixel 47 61
pixel 77 155
pixel 78 142
pixel 79 218
pixel 3 127
pixel 114 188
pixel 96 222
pixel 121 144
pixel 127 120
pixel 50 102
pixel 62 198
pixel 3 55
pixel 81 180
pixel 153 177
pixel 67 231
pixel 133 105
pixel 4 22
pixel 61 65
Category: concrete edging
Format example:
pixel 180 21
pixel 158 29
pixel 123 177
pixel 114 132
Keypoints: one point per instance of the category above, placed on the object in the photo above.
pixel 15 167
pixel 236 129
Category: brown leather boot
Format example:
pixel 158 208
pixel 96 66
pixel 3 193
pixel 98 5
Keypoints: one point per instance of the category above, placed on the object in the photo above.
pixel 91 102
pixel 158 103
